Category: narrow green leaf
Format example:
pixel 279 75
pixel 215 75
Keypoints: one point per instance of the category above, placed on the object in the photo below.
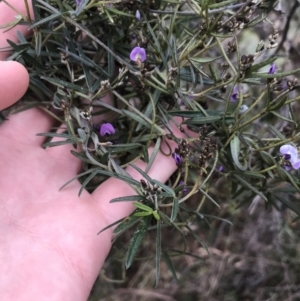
pixel 277 133
pixel 213 73
pixel 110 58
pixel 81 156
pixel 143 207
pixel 118 148
pixel 158 252
pixel 251 174
pixel 127 179
pixel 137 118
pixel 126 224
pixel 153 154
pixel 143 213
pixel 256 67
pixel 81 7
pixel 198 239
pixel 249 186
pixel 137 240
pixel 156 215
pixel 64 84
pixel 86 181
pixel 45 20
pixel 289 177
pixel 267 158
pixel 175 209
pixel 275 75
pixel 170 265
pixel 209 197
pixel 281 117
pixel 218 218
pixel 131 198
pixel 209 119
pixel 284 200
pixel 111 225
pixel 145 175
pixel 119 12
pixel 221 4
pixel 204 59
pixel 57 143
pixel 235 152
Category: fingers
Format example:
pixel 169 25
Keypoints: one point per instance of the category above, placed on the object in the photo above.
pixel 7 14
pixel 14 81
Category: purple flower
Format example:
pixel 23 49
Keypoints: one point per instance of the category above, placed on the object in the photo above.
pixel 290 153
pixel 107 129
pixel 138 15
pixel 177 158
pixel 138 54
pixel 78 2
pixel 272 69
pixel 235 93
pixel 181 183
pixel 221 168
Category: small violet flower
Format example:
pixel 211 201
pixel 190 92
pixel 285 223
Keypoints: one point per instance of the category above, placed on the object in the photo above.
pixel 221 168
pixel 243 109
pixel 177 158
pixel 181 183
pixel 235 93
pixel 138 15
pixel 78 2
pixel 107 129
pixel 290 153
pixel 272 69
pixel 138 54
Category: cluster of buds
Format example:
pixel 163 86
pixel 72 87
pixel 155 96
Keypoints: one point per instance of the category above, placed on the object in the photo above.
pixel 276 84
pixel 231 47
pixel 86 113
pixel 246 62
pixel 210 144
pixel 288 130
pixel 226 76
pixel 172 74
pixel 203 25
pixel 248 12
pixel 233 25
pixel 61 104
pixel 129 4
pixel 204 131
pixel 292 84
pixel 272 39
pixel 207 153
pixel 150 190
pixel 181 152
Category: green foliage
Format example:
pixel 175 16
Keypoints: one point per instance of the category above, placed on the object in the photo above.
pixel 194 71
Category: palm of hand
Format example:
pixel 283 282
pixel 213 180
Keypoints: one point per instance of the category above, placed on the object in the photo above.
pixel 37 221
pixel 44 230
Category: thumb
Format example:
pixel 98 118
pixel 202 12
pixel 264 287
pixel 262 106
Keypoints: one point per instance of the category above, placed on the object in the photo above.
pixel 14 81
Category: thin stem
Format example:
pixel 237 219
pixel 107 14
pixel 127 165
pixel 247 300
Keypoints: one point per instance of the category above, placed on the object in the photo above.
pixel 225 56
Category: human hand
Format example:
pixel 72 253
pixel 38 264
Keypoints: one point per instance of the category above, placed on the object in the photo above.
pixel 49 244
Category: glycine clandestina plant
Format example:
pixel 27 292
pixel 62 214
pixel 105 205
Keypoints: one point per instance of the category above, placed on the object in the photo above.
pixel 161 61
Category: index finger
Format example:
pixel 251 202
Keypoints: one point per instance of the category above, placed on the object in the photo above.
pixel 7 14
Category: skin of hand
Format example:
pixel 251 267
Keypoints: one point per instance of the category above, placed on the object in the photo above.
pixel 49 244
